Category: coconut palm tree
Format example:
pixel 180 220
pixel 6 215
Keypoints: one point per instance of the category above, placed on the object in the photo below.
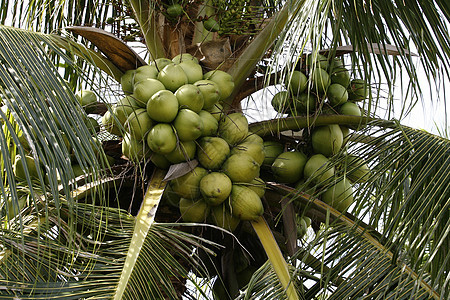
pixel 80 220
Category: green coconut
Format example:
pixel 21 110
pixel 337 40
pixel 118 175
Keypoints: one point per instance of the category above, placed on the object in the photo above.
pixel 357 169
pixel 327 140
pixel 212 152
pixel 190 96
pixel 317 169
pixel 172 76
pixel 339 195
pixel 271 151
pixel 298 82
pixel 193 210
pixel 188 125
pixel 210 124
pixel 188 185
pixel 223 218
pixel 215 187
pixel 255 150
pixel 163 106
pixel 145 89
pixel 223 80
pixel 210 92
pixel 185 151
pixel 138 124
pixel 241 168
pixel 161 138
pixel 245 203
pixel 358 90
pixel 288 166
pixel 351 109
pixel 337 94
pixel 233 128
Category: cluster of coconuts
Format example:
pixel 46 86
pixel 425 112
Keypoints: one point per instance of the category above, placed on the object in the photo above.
pixel 171 114
pixel 314 170
pixel 168 105
pixel 318 82
pixel 225 187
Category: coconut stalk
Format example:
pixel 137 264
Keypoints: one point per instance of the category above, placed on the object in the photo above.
pixel 275 256
pixel 144 221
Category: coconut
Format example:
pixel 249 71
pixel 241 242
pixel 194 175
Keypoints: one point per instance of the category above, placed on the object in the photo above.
pixel 304 103
pixel 175 10
pixel 245 203
pixel 190 96
pixel 160 161
pixel 258 186
pixel 216 111
pixel 23 163
pixel 87 99
pixel 210 92
pixel 223 218
pixel 281 101
pixel 358 90
pixel 160 63
pixel 337 94
pixel 138 124
pixel 241 168
pixel 182 57
pixel 341 76
pixel 193 210
pixel 319 60
pixel 224 82
pixel 233 128
pixel 351 109
pixel 192 70
pixel 170 197
pixel 145 89
pixel 339 195
pixel 172 76
pixel 253 138
pixel 271 151
pixel 92 124
pixel 123 108
pixel 317 169
pixel 184 151
pixel 335 63
pixel 215 188
pixel 255 150
pixel 297 82
pixel 210 124
pixel 188 125
pixel 188 185
pixel 321 80
pixel 357 169
pixel 345 133
pixel 133 149
pixel 162 139
pixel 211 24
pixel 288 166
pixel 145 72
pixel 327 140
pixel 163 106
pixel 212 152
pixel 127 82
pixel 110 124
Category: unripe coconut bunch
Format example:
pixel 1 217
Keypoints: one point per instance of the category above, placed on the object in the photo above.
pixel 313 172
pixel 168 105
pixel 171 114
pixel 225 187
pixel 318 79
